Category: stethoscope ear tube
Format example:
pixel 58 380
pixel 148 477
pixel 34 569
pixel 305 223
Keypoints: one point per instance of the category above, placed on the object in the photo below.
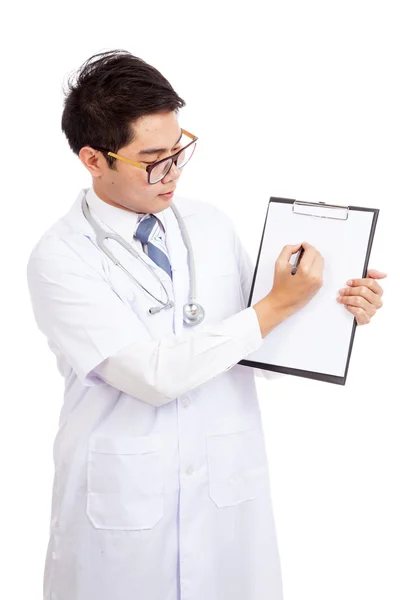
pixel 193 313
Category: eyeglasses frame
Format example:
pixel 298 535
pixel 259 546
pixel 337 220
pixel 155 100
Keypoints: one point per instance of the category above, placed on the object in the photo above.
pixel 173 158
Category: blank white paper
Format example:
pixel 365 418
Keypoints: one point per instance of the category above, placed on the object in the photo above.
pixel 317 337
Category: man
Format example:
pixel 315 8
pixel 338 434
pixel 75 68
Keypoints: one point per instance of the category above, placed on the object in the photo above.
pixel 161 487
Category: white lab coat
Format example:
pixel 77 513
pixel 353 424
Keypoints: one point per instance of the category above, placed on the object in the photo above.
pixel 152 503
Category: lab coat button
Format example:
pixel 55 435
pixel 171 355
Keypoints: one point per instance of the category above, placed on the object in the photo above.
pixel 189 471
pixel 186 403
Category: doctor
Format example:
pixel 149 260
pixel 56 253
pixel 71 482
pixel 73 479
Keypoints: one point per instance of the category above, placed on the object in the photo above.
pixel 161 488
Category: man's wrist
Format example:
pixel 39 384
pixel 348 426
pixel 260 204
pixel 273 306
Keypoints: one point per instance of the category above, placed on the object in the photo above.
pixel 270 314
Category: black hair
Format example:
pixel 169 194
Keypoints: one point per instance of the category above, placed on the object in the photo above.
pixel 107 94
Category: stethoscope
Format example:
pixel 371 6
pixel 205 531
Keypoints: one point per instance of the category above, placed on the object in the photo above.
pixel 193 313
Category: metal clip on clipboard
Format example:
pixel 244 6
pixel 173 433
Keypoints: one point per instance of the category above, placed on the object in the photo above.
pixel 321 210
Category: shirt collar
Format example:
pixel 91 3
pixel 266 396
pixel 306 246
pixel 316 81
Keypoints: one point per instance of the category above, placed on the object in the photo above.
pixel 123 222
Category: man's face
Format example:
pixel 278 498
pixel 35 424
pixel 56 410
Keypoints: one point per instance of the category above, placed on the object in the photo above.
pixel 127 186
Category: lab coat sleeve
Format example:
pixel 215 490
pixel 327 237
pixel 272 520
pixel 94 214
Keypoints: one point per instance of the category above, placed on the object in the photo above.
pixel 158 371
pixel 77 310
pixel 246 269
pixel 79 313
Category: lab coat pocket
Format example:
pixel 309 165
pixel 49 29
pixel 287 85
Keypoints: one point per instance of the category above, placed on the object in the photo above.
pixel 125 482
pixel 237 464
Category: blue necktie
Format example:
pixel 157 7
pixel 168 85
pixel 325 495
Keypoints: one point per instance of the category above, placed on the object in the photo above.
pixel 147 230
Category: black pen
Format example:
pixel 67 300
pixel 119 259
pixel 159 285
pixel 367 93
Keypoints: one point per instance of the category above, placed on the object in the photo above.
pixel 297 260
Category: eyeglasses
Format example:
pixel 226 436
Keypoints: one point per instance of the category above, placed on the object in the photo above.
pixel 159 169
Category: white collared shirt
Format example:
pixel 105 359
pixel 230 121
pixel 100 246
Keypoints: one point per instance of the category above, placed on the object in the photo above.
pixel 125 222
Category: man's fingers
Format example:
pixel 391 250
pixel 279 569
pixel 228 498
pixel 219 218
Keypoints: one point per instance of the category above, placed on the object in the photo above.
pixel 316 269
pixel 361 316
pixel 287 253
pixel 308 259
pixel 369 283
pixel 376 274
pixel 358 302
pixel 364 292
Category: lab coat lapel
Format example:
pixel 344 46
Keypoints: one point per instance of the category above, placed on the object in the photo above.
pixel 178 254
pixel 79 223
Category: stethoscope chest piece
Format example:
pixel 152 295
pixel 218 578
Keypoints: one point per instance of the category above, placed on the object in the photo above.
pixel 193 314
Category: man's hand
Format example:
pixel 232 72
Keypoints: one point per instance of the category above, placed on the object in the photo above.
pixel 363 297
pixel 290 293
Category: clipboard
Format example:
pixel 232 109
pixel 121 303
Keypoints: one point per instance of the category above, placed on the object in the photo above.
pixel 316 342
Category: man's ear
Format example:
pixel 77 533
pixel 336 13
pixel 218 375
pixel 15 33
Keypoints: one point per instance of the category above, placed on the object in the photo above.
pixel 93 160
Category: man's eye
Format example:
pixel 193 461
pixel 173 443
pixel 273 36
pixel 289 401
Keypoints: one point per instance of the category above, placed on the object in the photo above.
pixel 174 151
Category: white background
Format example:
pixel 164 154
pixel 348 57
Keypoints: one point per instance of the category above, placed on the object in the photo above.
pixel 291 99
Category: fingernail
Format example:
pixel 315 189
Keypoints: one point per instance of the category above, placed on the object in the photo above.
pixel 341 292
pixel 349 282
pixel 338 299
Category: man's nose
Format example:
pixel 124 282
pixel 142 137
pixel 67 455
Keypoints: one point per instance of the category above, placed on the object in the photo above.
pixel 173 174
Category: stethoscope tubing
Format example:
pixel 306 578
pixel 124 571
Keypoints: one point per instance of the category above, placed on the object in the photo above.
pixel 102 235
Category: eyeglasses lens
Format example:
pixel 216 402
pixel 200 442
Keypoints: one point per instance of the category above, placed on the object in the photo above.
pixel 162 169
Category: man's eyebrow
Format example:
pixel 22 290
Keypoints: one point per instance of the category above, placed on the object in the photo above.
pixel 158 150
